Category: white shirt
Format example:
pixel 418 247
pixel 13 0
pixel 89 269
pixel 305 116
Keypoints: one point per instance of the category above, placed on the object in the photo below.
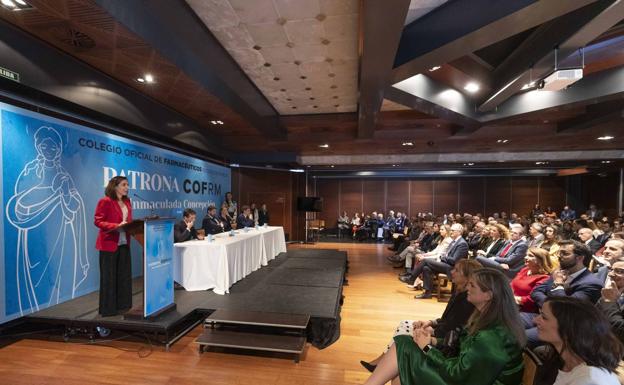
pixel 122 234
pixel 586 375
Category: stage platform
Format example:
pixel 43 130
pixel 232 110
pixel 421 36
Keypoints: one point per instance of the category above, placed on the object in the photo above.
pixel 301 281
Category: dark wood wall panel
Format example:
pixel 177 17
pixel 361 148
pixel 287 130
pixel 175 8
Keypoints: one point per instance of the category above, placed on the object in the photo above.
pixel 552 193
pixel 328 190
pixel 445 196
pixel 351 196
pixel 421 196
pixel 397 195
pixel 524 195
pixel 603 192
pixel 471 195
pixel 374 196
pixel 271 187
pixel 497 195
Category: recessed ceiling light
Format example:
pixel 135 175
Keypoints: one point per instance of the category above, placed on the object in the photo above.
pixel 606 161
pixel 234 165
pixel 149 78
pixel 408 144
pixel 528 86
pixel 213 122
pixel 296 170
pixel 219 122
pixel 502 141
pixel 434 68
pixel 140 80
pixel 472 87
pixel 324 145
pixel 468 164
pixel 332 166
pixel 9 3
pixel 539 163
pixel 606 137
pixel 16 5
pixel 395 165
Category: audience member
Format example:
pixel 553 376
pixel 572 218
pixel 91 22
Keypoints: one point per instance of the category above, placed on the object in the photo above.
pixel 490 349
pixel 586 236
pixel 550 244
pixel 567 214
pixel 536 237
pixel 185 229
pixel 498 236
pixel 457 250
pixel 454 317
pixel 611 302
pixel 613 252
pixel 593 213
pixel 588 351
pixel 537 270
pixel 510 258
pixel 572 279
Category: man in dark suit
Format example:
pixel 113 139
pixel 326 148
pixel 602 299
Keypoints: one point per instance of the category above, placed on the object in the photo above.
pixel 613 252
pixel 244 220
pixel 510 259
pixel 572 279
pixel 185 230
pixel 593 213
pixel 457 249
pixel 587 237
pixel 211 224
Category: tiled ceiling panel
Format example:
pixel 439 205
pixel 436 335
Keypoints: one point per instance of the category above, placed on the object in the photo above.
pixel 302 54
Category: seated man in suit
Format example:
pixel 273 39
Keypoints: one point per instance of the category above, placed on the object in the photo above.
pixel 244 219
pixel 185 230
pixel 586 236
pixel 572 279
pixel 510 259
pixel 211 224
pixel 613 252
pixel 457 249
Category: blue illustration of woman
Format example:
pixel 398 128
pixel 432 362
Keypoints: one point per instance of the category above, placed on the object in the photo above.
pixel 49 214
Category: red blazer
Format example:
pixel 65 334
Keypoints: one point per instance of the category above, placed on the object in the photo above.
pixel 523 285
pixel 107 216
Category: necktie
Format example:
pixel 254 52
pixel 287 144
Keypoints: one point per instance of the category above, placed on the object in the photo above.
pixel 506 249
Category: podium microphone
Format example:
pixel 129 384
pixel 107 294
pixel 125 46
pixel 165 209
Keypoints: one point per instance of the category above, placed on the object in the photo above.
pixel 151 206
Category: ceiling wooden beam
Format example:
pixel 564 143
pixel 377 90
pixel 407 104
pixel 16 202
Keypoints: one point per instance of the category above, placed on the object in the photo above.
pixel 535 57
pixel 429 41
pixel 172 28
pixel 380 31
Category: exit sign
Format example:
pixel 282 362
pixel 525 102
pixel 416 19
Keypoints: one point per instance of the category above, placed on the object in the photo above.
pixel 5 73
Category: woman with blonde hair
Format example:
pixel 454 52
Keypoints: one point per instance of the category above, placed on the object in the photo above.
pixel 499 235
pixel 537 270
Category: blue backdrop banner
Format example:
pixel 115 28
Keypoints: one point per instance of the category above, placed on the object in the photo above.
pixel 158 269
pixel 53 174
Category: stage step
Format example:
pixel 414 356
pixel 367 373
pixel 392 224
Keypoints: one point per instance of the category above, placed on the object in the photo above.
pixel 241 317
pixel 260 331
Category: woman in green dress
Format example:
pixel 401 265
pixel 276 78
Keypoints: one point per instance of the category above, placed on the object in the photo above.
pixel 490 348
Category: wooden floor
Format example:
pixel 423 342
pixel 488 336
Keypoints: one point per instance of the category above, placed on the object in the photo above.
pixel 375 302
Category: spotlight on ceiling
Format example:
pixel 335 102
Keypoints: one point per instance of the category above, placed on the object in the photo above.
pixel 541 163
pixel 408 144
pixel 606 161
pixel 502 141
pixel 140 80
pixel 234 165
pixel 605 137
pixel 15 5
pixel 149 78
pixel 324 146
pixel 296 170
pixel 472 87
pixel 434 68
pixel 469 164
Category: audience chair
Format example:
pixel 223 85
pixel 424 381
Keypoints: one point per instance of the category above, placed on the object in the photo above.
pixel 317 225
pixel 532 364
pixel 445 287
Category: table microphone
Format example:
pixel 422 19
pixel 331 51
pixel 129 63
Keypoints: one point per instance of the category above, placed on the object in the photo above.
pixel 151 207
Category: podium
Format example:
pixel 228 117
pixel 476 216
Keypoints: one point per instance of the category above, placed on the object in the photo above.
pixel 155 235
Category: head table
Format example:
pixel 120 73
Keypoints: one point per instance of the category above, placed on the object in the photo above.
pixel 218 264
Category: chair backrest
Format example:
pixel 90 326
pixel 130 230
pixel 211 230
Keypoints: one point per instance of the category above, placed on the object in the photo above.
pixel 531 365
pixel 314 224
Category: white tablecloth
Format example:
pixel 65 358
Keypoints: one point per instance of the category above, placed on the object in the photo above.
pixel 203 265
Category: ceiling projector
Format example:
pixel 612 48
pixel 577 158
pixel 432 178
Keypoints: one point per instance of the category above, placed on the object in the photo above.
pixel 561 79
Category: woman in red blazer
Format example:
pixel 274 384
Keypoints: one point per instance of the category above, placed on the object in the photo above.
pixel 112 212
pixel 537 270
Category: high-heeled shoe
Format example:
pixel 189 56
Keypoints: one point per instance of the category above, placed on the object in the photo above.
pixel 368 366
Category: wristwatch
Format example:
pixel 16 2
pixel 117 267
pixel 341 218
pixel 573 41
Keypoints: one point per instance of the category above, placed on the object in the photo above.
pixel 427 348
